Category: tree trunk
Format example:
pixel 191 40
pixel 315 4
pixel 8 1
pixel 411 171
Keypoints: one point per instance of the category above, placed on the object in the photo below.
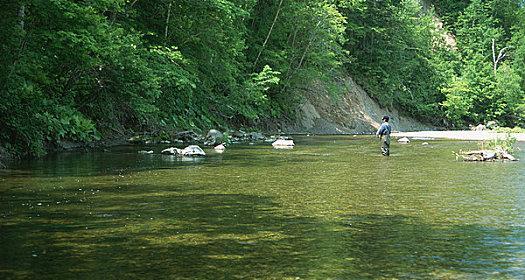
pixel 308 46
pixel 500 57
pixel 21 16
pixel 269 33
pixel 167 23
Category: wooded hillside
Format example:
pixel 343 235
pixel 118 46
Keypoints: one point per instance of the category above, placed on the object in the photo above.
pixel 80 70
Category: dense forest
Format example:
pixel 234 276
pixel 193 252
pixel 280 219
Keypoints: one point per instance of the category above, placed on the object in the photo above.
pixel 80 70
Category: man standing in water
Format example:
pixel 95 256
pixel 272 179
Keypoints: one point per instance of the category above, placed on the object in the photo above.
pixel 384 134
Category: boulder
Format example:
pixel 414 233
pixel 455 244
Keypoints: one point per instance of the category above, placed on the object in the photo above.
pixel 146 152
pixel 404 140
pixel 171 151
pixel 479 127
pixel 213 137
pixel 193 150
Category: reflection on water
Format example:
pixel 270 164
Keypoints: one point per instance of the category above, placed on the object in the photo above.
pixel 332 207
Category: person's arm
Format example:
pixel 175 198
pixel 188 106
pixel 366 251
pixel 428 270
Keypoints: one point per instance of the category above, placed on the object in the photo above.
pixel 380 131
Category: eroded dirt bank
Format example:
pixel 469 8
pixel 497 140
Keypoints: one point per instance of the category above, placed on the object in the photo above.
pixel 352 112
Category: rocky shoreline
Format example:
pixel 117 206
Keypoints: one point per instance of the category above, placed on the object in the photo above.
pixel 215 137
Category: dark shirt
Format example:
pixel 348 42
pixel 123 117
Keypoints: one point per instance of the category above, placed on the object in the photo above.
pixel 384 129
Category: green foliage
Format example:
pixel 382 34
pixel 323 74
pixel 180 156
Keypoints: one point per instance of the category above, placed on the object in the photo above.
pixel 458 101
pixel 492 93
pixel 396 51
pixel 510 130
pixel 78 70
pixel 253 101
pixel 507 143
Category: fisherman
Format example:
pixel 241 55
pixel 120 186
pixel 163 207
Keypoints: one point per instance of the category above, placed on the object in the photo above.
pixel 384 134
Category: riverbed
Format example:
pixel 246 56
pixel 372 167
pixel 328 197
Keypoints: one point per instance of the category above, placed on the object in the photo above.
pixel 331 208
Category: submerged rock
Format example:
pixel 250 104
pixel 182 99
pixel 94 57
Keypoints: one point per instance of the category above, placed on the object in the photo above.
pixel 193 150
pixel 404 140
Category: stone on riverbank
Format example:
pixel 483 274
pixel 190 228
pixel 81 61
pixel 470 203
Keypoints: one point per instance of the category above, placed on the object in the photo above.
pixel 213 137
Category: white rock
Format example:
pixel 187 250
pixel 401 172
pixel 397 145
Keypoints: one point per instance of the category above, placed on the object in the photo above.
pixel 404 140
pixel 283 142
pixel 171 151
pixel 193 150
pixel 145 152
pixel 219 147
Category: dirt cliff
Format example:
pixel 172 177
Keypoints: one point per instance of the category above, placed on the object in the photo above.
pixel 352 112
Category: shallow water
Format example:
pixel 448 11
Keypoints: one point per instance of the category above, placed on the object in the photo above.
pixel 331 208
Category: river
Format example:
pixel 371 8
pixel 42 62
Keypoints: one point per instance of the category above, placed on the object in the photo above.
pixel 331 208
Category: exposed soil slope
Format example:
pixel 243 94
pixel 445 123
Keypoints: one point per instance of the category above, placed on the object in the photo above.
pixel 353 112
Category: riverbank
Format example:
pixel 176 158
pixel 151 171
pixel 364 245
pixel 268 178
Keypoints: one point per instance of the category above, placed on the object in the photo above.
pixel 460 135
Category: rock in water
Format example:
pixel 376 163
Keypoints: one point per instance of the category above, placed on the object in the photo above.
pixel 404 140
pixel 171 151
pixel 146 152
pixel 283 143
pixel 219 148
pixel 193 150
pixel 213 137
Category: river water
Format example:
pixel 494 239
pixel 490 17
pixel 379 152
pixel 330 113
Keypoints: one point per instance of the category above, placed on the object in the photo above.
pixel 331 208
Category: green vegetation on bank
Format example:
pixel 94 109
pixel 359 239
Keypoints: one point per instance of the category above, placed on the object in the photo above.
pixel 80 70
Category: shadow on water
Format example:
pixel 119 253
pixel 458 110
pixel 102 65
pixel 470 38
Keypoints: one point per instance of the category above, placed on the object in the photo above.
pixel 404 247
pixel 140 234
pixel 141 231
